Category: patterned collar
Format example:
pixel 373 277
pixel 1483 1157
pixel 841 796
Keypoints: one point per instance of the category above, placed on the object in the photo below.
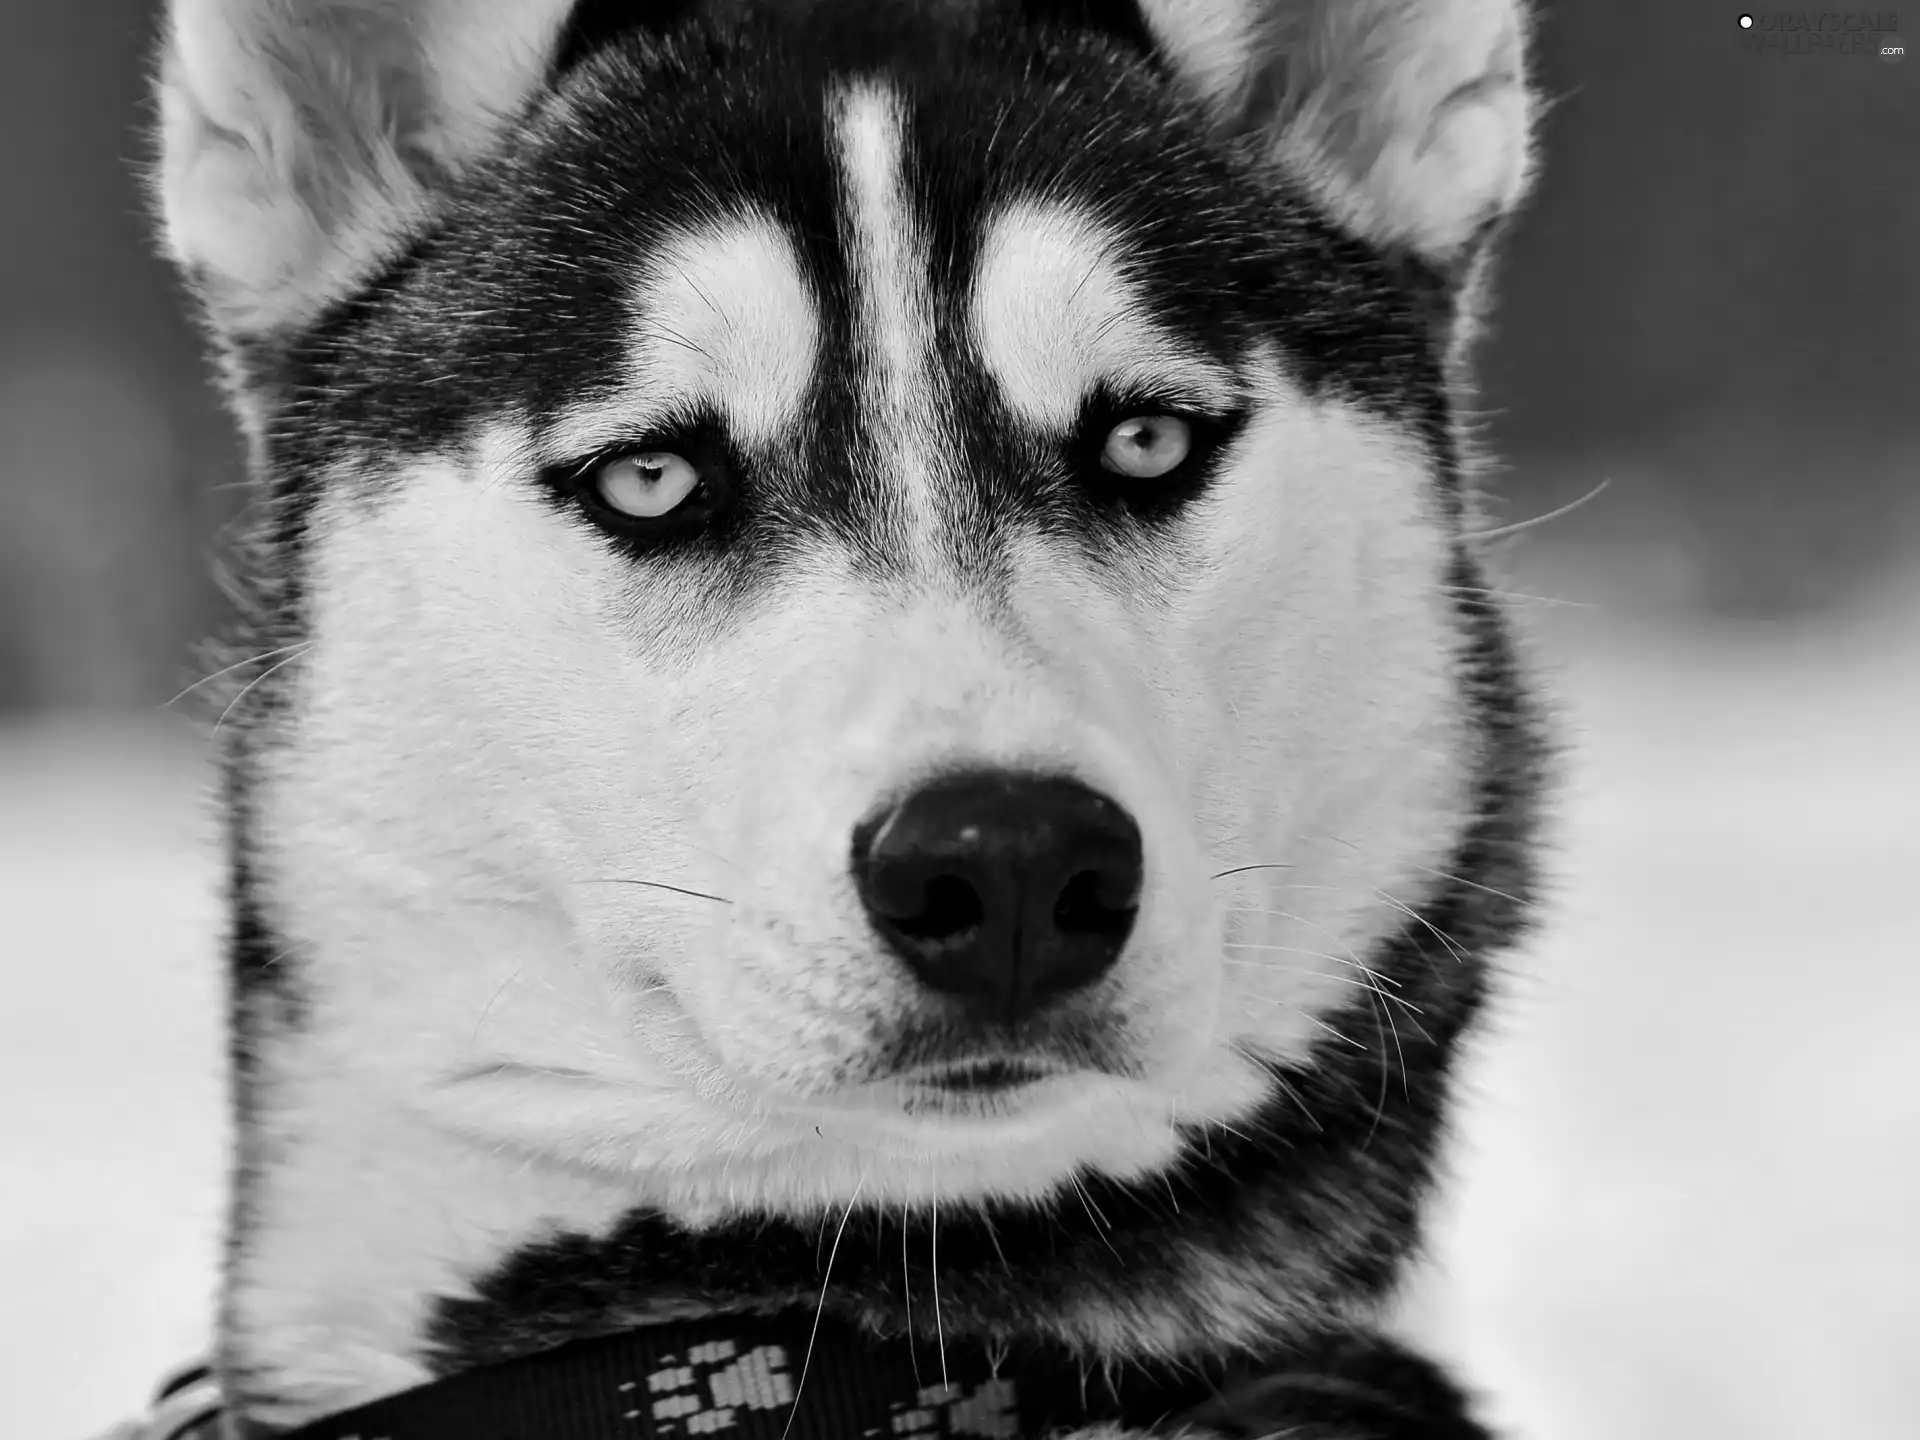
pixel 788 1377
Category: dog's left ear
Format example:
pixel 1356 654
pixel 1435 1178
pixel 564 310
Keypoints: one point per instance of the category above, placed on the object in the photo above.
pixel 303 140
pixel 1411 120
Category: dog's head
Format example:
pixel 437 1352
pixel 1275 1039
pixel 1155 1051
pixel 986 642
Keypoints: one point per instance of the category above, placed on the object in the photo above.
pixel 863 603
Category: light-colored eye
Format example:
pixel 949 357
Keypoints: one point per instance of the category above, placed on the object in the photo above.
pixel 646 486
pixel 1147 446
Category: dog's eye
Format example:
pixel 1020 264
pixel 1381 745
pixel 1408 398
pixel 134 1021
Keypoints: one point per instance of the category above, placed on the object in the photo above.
pixel 1146 446
pixel 647 485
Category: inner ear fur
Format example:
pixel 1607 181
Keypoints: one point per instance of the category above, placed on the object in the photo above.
pixel 1410 120
pixel 301 141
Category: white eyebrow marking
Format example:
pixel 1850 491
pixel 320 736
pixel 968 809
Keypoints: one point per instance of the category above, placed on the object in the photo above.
pixel 1054 315
pixel 723 317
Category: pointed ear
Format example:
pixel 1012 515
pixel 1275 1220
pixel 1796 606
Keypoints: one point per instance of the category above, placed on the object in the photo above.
pixel 303 140
pixel 1411 120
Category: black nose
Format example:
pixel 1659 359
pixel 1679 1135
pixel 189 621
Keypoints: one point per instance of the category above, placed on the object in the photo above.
pixel 1002 889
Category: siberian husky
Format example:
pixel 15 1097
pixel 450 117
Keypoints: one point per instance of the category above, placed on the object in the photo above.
pixel 874 776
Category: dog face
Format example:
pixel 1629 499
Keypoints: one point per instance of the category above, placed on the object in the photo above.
pixel 862 618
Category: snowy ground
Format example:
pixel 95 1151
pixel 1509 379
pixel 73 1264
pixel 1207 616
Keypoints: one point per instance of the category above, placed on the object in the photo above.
pixel 1688 1182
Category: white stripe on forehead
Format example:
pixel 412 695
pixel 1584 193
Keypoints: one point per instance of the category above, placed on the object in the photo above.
pixel 893 284
pixel 1054 315
pixel 722 318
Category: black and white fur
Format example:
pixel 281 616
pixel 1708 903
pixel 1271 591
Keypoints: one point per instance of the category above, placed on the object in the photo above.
pixel 554 1008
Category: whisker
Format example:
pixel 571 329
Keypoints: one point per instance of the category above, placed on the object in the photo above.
pixel 1093 1212
pixel 1400 1054
pixel 993 1236
pixel 1380 1011
pixel 659 885
pixel 236 665
pixel 1300 950
pixel 1380 1100
pixel 906 1292
pixel 1458 950
pixel 1476 885
pixel 939 1326
pixel 1444 875
pixel 1314 925
pixel 247 689
pixel 1492 594
pixel 674 337
pixel 1287 1088
pixel 1306 1015
pixel 1371 986
pixel 278 956
pixel 487 1010
pixel 821 1308
pixel 1454 948
pixel 1244 869
pixel 1566 509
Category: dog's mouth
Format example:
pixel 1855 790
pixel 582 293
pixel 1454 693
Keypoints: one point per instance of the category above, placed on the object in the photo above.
pixel 980 1077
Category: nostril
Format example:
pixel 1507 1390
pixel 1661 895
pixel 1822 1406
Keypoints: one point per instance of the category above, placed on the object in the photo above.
pixel 949 907
pixel 1092 903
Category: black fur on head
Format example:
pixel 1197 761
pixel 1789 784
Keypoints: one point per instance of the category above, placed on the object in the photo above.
pixel 595 25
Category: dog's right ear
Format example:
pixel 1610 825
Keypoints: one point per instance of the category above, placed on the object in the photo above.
pixel 1411 120
pixel 302 141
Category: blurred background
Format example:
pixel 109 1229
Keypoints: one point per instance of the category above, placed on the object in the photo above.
pixel 1688 1173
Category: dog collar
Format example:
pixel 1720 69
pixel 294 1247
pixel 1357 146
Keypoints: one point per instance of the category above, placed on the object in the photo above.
pixel 750 1378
